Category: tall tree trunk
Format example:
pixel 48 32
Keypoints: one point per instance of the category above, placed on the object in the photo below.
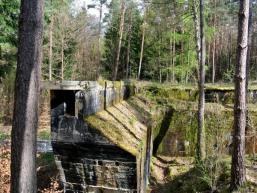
pixel 99 40
pixel 238 156
pixel 129 43
pixel 209 53
pixel 62 58
pixel 50 56
pixel 174 56
pixel 213 61
pixel 142 46
pixel 201 103
pixel 197 34
pixel 201 53
pixel 214 46
pixel 25 119
pixel 250 40
pixel 116 66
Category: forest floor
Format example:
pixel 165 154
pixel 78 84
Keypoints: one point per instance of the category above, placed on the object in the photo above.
pixel 169 174
pixel 47 174
pixel 179 174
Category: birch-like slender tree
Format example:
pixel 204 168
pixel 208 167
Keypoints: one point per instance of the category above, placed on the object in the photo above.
pixel 201 102
pixel 238 156
pixel 25 119
pixel 142 45
pixel 200 47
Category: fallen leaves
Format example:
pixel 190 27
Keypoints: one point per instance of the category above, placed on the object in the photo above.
pixel 5 155
pixel 47 174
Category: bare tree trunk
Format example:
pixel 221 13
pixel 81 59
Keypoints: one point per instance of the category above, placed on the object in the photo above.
pixel 201 104
pixel 174 56
pixel 142 46
pixel 214 47
pixel 99 39
pixel 50 56
pixel 116 66
pixel 197 33
pixel 25 119
pixel 238 157
pixel 171 57
pixel 209 53
pixel 249 51
pixel 129 43
pixel 213 61
pixel 62 57
pixel 201 52
pixel 141 54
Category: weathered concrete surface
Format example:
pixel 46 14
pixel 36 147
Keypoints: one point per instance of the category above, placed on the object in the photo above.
pixel 99 140
pixel 103 143
pixel 176 132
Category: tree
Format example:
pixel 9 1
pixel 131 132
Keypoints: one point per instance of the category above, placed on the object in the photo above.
pixel 121 26
pixel 129 43
pixel 200 47
pixel 142 45
pixel 25 120
pixel 238 155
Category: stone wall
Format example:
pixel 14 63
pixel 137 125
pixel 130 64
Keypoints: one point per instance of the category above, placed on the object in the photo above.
pixel 87 160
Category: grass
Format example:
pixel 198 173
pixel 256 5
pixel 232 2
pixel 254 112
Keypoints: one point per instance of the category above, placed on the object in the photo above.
pixel 4 136
pixel 45 159
pixel 44 134
pixel 199 179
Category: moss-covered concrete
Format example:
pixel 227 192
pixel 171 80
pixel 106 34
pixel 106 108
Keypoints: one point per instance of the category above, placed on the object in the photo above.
pixel 180 134
pixel 124 123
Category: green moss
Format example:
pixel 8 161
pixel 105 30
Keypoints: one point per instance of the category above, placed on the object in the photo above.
pixel 4 136
pixel 45 159
pixel 110 131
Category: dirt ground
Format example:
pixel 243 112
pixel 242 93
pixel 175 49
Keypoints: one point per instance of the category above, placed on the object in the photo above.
pixel 179 174
pixel 48 179
pixel 169 174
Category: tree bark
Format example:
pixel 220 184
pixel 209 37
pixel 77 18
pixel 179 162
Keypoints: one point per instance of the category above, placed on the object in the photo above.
pixel 213 61
pixel 174 56
pixel 116 65
pixel 214 47
pixel 62 57
pixel 142 47
pixel 238 157
pixel 129 44
pixel 197 33
pixel 25 119
pixel 99 39
pixel 200 47
pixel 249 51
pixel 50 56
pixel 201 102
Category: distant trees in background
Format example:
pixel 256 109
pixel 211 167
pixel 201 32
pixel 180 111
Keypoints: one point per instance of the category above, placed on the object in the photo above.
pixel 157 44
pixel 70 43
pixel 164 28
pixel 169 53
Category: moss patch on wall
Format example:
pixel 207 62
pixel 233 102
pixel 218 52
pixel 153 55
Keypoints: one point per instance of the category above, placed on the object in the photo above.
pixel 181 135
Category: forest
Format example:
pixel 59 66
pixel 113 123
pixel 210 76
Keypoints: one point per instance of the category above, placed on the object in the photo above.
pixel 181 73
